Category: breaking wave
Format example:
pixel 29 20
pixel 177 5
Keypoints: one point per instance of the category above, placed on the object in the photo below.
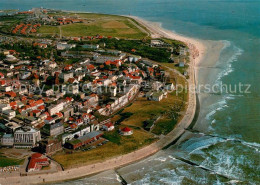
pixel 222 103
pixel 228 63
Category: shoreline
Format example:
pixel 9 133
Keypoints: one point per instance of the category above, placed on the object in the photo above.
pixel 197 51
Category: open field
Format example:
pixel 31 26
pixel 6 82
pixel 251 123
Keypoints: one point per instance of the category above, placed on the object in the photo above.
pixel 117 146
pixel 13 156
pixel 164 125
pixel 98 24
pixel 49 30
pixel 144 110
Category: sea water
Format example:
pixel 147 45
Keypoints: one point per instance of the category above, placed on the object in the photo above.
pixel 228 149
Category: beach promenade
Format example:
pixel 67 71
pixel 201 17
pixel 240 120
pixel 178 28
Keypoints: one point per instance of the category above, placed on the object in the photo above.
pixel 197 50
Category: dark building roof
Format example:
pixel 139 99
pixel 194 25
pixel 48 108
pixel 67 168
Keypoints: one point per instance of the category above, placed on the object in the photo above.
pixel 56 125
pixel 89 135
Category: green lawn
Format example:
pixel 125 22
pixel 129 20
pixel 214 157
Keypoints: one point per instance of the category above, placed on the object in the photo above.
pixel 164 126
pixel 113 137
pixel 86 15
pixel 82 29
pixel 4 161
pixel 71 61
pixel 48 30
pixel 143 109
pixel 94 24
pixel 117 146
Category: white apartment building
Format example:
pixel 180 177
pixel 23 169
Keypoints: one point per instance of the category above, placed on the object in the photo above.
pixel 26 137
pixel 53 109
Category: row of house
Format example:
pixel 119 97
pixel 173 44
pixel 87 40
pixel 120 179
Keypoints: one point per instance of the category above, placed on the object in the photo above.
pixel 56 105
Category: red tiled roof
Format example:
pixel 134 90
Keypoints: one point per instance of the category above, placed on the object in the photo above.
pixel 32 104
pixel 13 104
pixel 35 76
pixel 126 129
pixel 73 125
pixel 26 12
pixel 69 99
pixel 20 110
pixel 90 66
pixel 59 114
pixel 79 120
pixel 36 111
pixel 49 118
pixel 109 125
pixel 36 155
pixel 23 98
pixel 116 63
pixel 38 102
pixel 11 94
pixel 134 77
pixel 37 161
pixel 71 80
pixel 113 84
pixel 125 71
pixel 68 67
pixel 108 62
pixel 41 107
pixel 2 82
pixel 150 69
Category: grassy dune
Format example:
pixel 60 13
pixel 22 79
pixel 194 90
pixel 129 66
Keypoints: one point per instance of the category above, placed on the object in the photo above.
pixel 93 24
pixel 117 146
pixel 49 30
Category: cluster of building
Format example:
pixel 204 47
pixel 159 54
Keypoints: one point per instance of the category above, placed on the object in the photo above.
pixel 25 29
pixel 51 105
pixel 66 20
pixel 37 17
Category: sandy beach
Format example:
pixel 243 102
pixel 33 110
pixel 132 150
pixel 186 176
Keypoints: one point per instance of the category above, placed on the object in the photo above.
pixel 197 50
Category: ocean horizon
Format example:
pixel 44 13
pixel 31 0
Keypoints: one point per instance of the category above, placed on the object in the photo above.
pixel 225 147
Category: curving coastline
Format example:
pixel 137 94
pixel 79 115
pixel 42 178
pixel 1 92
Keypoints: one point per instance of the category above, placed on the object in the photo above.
pixel 197 50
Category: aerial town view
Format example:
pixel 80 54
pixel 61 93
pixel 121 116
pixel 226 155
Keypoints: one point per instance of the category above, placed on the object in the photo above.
pixel 97 97
pixel 78 88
